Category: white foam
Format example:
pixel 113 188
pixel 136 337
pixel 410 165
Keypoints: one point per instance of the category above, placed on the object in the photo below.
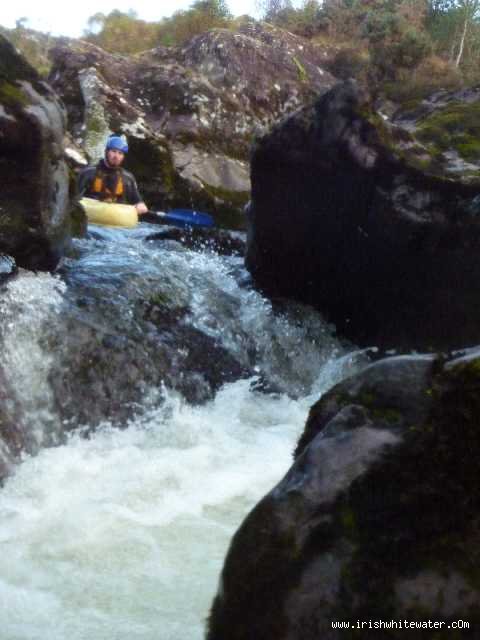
pixel 123 535
pixel 30 302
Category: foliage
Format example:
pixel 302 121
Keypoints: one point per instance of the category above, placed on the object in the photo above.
pixel 431 75
pixel 400 35
pixel 304 21
pixel 455 29
pixel 125 33
pixel 349 63
pixel 121 32
pixel 202 16
pixel 394 38
pixel 403 47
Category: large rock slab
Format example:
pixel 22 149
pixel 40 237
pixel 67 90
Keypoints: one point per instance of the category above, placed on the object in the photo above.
pixel 371 220
pixel 34 202
pixel 189 112
pixel 377 519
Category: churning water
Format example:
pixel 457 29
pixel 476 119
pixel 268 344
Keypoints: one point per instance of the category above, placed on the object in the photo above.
pixel 122 535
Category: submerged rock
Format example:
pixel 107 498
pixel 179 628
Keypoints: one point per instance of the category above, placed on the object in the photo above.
pixel 224 243
pixel 361 218
pixel 377 519
pixel 34 204
pixel 109 368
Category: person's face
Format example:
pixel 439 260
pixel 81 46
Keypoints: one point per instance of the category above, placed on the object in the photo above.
pixel 115 157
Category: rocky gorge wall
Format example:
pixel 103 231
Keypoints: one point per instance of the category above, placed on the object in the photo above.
pixel 372 220
pixel 377 519
pixel 35 219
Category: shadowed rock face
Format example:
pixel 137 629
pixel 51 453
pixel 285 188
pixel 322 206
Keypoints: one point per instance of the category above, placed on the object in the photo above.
pixel 354 215
pixel 34 221
pixel 190 113
pixel 377 517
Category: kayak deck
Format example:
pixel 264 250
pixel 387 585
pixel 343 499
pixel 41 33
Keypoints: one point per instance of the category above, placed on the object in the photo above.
pixel 108 214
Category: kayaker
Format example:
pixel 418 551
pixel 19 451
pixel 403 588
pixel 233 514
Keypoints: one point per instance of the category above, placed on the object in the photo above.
pixel 109 181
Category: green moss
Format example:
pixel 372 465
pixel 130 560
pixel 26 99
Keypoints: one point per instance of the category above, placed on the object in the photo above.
pixel 470 151
pixel 11 95
pixel 302 73
pixel 457 127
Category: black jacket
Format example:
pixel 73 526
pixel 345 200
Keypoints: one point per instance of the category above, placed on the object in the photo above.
pixel 110 177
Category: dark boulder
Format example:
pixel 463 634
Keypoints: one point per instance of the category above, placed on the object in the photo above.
pixel 371 221
pixel 377 519
pixel 123 365
pixel 34 201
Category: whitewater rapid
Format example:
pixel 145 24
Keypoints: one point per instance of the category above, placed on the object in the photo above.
pixel 122 535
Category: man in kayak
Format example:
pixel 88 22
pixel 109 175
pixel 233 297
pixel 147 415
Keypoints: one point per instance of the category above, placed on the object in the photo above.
pixel 108 181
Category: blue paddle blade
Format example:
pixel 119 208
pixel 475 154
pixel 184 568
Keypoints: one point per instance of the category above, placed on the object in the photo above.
pixel 188 218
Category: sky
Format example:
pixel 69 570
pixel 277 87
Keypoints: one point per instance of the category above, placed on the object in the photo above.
pixel 69 18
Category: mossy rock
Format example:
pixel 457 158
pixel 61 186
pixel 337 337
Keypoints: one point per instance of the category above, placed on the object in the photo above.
pixel 34 222
pixel 376 519
pixel 13 66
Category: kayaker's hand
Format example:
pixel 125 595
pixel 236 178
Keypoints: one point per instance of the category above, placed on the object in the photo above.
pixel 141 207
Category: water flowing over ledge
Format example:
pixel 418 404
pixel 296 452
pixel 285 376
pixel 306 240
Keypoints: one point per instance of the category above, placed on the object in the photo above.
pixel 123 533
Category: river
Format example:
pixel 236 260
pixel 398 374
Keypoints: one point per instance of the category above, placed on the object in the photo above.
pixel 120 533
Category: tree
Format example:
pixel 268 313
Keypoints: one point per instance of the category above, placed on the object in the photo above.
pixel 468 11
pixel 214 8
pixel 121 32
pixel 270 9
pixel 395 36
pixel 200 17
pixel 454 27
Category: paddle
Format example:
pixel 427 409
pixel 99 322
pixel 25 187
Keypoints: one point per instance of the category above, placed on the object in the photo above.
pixel 179 218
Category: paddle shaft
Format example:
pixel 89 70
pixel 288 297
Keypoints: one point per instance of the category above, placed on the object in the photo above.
pixel 179 218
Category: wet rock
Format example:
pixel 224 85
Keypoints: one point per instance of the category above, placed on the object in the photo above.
pixel 359 217
pixel 377 517
pixel 8 434
pixel 34 220
pixel 8 268
pixel 124 369
pixel 15 439
pixel 224 243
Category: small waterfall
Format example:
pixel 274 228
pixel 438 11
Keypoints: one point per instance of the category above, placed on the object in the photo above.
pixel 122 534
pixel 28 305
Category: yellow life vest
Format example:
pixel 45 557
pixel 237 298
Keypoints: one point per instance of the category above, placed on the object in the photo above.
pixel 99 187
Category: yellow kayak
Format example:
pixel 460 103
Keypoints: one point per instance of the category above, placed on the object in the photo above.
pixel 110 214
